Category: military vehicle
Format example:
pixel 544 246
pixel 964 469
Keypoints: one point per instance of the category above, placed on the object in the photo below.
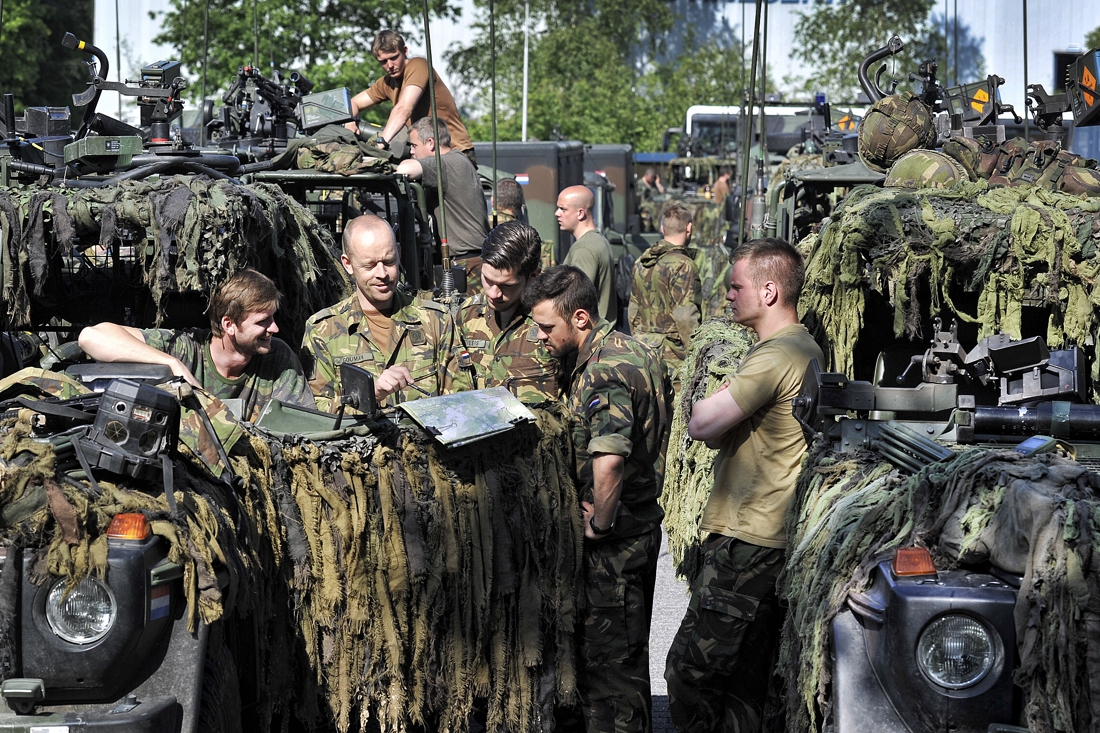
pixel 932 621
pixel 162 567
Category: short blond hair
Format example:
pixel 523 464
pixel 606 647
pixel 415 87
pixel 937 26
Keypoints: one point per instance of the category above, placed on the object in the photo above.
pixel 249 291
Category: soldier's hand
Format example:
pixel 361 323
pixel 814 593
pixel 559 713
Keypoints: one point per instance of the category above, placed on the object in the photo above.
pixel 353 126
pixel 392 380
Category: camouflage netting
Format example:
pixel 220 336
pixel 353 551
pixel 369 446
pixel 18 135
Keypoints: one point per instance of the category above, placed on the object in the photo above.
pixel 1038 517
pixel 393 578
pixel 51 508
pixel 424 578
pixel 1011 246
pixel 716 350
pixel 179 234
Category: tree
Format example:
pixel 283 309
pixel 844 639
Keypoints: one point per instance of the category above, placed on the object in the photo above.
pixel 37 69
pixel 328 40
pixel 602 73
pixel 832 40
pixel 1092 39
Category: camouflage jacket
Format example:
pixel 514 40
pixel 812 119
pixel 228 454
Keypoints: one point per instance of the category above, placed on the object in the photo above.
pixel 275 375
pixel 621 399
pixel 512 357
pixel 422 335
pixel 665 300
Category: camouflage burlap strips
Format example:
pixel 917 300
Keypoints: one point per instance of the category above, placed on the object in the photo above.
pixel 178 234
pixel 998 249
pixel 1038 517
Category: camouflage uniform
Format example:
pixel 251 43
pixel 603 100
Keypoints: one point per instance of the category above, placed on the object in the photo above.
pixel 621 397
pixel 665 301
pixel 513 357
pixel 720 661
pixel 275 375
pixel 422 335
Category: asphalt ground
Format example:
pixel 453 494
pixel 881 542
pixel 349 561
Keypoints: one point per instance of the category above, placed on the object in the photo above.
pixel 670 599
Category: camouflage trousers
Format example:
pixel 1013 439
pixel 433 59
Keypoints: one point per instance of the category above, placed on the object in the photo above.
pixel 613 674
pixel 721 660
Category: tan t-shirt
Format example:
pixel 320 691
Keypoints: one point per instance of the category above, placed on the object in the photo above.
pixel 757 466
pixel 416 74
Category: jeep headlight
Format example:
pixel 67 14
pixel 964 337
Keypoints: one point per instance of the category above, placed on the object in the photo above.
pixel 83 616
pixel 956 651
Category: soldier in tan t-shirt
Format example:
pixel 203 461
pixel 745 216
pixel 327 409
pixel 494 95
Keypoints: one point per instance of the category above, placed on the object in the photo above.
pixel 404 86
pixel 720 661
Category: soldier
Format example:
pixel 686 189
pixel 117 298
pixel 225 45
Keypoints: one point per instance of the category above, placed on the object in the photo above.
pixel 721 187
pixel 508 203
pixel 237 359
pixel 497 339
pixel 467 223
pixel 720 661
pixel 403 85
pixel 401 340
pixel 666 297
pixel 591 252
pixel 651 185
pixel 621 400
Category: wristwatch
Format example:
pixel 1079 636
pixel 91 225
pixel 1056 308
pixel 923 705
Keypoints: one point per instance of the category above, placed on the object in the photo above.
pixel 382 143
pixel 597 531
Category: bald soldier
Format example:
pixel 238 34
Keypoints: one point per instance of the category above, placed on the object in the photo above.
pixel 401 340
pixel 590 253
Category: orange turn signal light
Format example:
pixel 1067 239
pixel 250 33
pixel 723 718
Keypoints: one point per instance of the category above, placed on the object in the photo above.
pixel 910 561
pixel 129 526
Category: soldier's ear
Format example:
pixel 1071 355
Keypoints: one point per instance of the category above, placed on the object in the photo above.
pixel 581 319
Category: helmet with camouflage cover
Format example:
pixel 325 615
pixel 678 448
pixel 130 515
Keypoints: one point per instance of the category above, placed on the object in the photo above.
pixel 895 125
pixel 926 169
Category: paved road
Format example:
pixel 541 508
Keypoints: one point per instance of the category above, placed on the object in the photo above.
pixel 669 602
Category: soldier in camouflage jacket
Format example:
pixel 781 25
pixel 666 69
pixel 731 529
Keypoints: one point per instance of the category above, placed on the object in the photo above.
pixel 497 342
pixel 400 339
pixel 621 399
pixel 666 296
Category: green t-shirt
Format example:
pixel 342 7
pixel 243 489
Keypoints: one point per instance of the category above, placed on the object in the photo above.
pixel 757 466
pixel 592 254
pixel 275 375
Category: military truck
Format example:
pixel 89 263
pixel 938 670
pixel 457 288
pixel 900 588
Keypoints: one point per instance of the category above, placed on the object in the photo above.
pixel 143 583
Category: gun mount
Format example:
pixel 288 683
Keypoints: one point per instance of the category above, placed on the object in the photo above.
pixel 1039 391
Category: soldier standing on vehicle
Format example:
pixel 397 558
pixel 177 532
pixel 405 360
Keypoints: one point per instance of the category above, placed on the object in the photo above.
pixel 403 341
pixel 621 399
pixel 467 222
pixel 720 661
pixel 497 339
pixel 591 252
pixel 666 297
pixel 404 85
pixel 238 358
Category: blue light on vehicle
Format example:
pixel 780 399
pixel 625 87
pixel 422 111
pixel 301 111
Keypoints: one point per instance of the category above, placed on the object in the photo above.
pixel 956 651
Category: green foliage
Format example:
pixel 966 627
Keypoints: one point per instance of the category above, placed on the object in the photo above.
pixel 592 73
pixel 37 69
pixel 1092 39
pixel 833 38
pixel 328 40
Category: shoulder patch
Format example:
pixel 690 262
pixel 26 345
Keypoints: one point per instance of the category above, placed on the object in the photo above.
pixel 533 334
pixel 596 404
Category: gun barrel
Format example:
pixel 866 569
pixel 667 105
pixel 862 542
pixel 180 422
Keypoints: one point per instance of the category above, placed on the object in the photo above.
pixel 1060 419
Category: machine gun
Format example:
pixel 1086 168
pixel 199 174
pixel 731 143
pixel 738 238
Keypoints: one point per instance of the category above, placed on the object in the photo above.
pixel 260 114
pixel 1037 391
pixel 1081 97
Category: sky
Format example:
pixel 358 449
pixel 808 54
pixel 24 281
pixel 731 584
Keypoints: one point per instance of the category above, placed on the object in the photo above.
pixel 1052 25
